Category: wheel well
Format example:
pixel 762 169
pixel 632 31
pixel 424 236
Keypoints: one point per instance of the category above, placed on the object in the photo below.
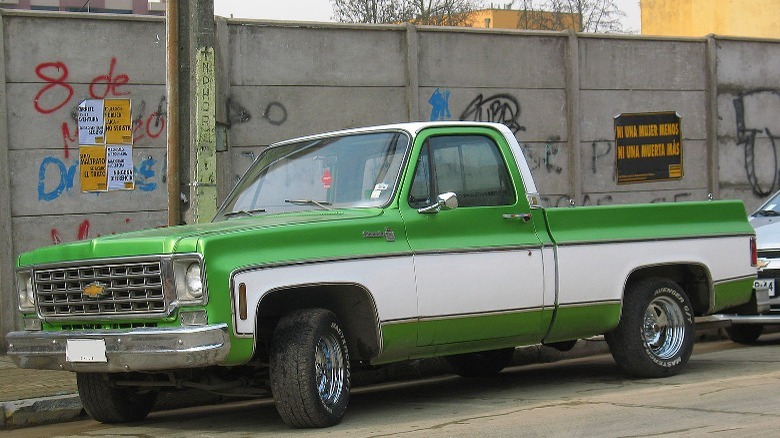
pixel 352 304
pixel 693 279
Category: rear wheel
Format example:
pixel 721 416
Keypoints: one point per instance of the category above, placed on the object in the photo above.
pixel 745 333
pixel 655 335
pixel 310 371
pixel 480 364
pixel 108 403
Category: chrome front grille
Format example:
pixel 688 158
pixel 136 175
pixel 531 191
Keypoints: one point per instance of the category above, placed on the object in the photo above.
pixel 104 289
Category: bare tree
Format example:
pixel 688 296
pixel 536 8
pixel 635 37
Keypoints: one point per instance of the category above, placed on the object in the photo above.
pixel 597 16
pixel 368 11
pixel 435 12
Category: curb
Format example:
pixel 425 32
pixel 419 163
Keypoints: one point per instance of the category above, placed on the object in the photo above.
pixel 39 411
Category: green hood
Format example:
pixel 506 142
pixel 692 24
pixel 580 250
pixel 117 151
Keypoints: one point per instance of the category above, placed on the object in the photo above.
pixel 185 238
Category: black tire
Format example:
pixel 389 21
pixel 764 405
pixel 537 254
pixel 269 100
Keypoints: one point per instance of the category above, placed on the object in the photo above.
pixel 310 371
pixel 107 403
pixel 656 331
pixel 746 334
pixel 480 364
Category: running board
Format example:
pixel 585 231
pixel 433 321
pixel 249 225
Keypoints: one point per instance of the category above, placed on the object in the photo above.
pixel 739 319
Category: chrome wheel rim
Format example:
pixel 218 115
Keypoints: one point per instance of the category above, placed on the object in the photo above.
pixel 663 330
pixel 329 369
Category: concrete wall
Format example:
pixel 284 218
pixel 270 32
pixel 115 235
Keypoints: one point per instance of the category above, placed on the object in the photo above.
pixel 559 92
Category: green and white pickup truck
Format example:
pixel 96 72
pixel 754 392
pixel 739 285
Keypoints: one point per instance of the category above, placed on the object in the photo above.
pixel 370 246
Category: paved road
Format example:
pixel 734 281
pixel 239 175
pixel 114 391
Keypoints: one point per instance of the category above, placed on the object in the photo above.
pixel 727 390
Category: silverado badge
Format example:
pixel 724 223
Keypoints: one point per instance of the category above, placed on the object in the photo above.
pixel 94 290
pixel 388 234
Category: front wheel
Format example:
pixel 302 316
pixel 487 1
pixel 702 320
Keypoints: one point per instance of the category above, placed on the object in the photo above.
pixel 108 403
pixel 655 335
pixel 746 334
pixel 310 371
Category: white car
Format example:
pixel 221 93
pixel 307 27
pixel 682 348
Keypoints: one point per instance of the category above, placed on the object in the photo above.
pixel 764 309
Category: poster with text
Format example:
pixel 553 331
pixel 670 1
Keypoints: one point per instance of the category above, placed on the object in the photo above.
pixel 119 124
pixel 90 121
pixel 92 168
pixel 648 147
pixel 119 160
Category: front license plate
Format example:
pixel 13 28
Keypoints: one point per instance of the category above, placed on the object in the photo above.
pixel 85 350
pixel 765 283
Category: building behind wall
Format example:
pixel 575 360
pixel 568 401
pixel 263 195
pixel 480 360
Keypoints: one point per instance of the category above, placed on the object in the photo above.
pixel 143 7
pixel 696 18
pixel 520 19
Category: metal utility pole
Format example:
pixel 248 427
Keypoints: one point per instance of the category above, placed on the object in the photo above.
pixel 192 143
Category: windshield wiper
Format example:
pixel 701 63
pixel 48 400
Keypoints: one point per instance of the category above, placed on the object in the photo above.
pixel 251 212
pixel 322 204
pixel 767 213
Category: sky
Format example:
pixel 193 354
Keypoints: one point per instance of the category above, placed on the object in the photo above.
pixel 321 10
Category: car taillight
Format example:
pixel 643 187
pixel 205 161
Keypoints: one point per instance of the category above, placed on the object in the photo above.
pixel 753 252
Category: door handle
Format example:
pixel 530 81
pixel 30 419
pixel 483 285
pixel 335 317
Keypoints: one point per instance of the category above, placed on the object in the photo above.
pixel 525 217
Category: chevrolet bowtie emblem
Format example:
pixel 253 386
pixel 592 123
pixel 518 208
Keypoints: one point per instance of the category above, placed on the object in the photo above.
pixel 94 290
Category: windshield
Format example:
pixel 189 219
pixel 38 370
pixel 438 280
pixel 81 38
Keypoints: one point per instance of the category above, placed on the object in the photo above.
pixel 359 170
pixel 770 207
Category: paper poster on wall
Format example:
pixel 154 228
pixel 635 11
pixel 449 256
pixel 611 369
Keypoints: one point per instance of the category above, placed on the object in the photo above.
pixel 119 125
pixel 92 168
pixel 120 167
pixel 648 147
pixel 90 121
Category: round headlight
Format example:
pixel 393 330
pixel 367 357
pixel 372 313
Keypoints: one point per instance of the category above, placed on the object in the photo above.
pixel 193 280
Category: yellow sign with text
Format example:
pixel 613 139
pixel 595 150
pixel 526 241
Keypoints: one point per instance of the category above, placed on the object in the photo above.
pixel 92 168
pixel 119 124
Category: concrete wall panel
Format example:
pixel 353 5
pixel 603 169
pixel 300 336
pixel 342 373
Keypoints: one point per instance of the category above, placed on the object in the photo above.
pixel 638 64
pixel 44 183
pixel 277 113
pixel 454 59
pixel 327 56
pixel 748 65
pixel 56 129
pixel 85 50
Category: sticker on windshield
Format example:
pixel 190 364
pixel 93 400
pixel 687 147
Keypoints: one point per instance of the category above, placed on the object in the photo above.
pixel 378 189
pixel 327 179
pixel 770 207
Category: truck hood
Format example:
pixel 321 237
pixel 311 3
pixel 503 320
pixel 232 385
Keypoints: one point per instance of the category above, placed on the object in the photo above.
pixel 182 239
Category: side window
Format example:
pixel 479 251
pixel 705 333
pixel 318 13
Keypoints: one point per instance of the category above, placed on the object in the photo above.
pixel 471 166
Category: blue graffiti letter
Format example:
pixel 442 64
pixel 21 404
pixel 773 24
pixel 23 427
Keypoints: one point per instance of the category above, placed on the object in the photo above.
pixel 440 101
pixel 145 172
pixel 66 178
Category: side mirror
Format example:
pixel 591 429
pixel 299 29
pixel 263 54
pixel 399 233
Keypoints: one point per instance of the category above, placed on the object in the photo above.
pixel 445 201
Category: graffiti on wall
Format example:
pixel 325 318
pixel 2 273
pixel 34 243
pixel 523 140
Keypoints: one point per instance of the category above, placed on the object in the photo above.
pixel 500 108
pixel 81 234
pixel 56 175
pixel 275 113
pixel 548 160
pixel 440 105
pixel 758 132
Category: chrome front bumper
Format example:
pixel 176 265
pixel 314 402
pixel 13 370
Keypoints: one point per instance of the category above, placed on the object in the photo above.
pixel 143 349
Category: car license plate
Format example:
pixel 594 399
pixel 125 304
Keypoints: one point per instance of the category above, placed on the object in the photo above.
pixel 85 350
pixel 765 283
